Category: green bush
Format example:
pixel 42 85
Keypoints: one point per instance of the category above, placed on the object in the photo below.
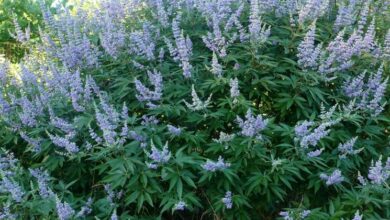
pixel 222 109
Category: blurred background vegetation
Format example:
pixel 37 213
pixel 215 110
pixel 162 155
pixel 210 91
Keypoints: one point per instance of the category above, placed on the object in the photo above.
pixel 27 13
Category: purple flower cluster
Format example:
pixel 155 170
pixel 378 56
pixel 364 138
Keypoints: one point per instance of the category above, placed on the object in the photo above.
pixel 302 129
pixel 315 153
pixel 108 120
pixel 86 209
pixel 142 42
pixel 22 37
pixel 158 156
pixel 357 216
pixel 180 206
pixel 308 53
pixel 217 14
pixel 43 180
pixel 65 143
pixel 251 125
pixel 73 48
pixel 334 178
pixel 286 215
pixel 310 137
pixel 216 68
pixel 60 123
pixel 347 148
pixel 110 27
pixel 5 213
pixel 175 131
pixel 368 95
pixel 147 95
pixel 346 15
pixel 339 53
pixel 35 143
pixel 160 13
pixel 312 9
pixel 76 91
pixel 234 89
pixel 379 173
pixel 10 186
pixel 30 110
pixel 149 120
pixel 7 161
pixel 215 166
pixel 64 210
pixel 258 31
pixel 183 51
pixel 227 200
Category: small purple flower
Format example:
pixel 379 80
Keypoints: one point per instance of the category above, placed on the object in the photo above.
pixel 378 174
pixel 236 66
pixel 234 90
pixel 43 180
pixel 158 156
pixel 347 147
pixel 175 131
pixel 62 142
pixel 251 126
pixel 227 200
pixel 64 210
pixel 357 216
pixel 286 215
pixel 259 32
pixel 302 129
pixel 86 209
pixel 215 166
pixel 305 213
pixel 180 206
pixel 315 153
pixel 184 48
pixel 315 136
pixel 149 120
pixel 147 95
pixel 114 216
pixel 7 185
pixel 216 68
pixel 35 143
pixel 308 53
pixel 335 178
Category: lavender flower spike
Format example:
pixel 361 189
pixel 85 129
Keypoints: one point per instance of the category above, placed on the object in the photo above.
pixel 159 156
pixel 181 205
pixel 357 216
pixel 334 178
pixel 175 131
pixel 251 126
pixel 144 93
pixel 216 68
pixel 197 104
pixel 64 143
pixel 64 210
pixel 377 173
pixel 234 89
pixel 308 53
pixel 227 200
pixel 215 166
pixel 43 179
pixel 7 185
pixel 347 148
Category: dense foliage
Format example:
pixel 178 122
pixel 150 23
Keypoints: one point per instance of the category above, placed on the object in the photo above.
pixel 201 109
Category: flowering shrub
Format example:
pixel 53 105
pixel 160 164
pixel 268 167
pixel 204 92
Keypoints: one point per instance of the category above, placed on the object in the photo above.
pixel 198 109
